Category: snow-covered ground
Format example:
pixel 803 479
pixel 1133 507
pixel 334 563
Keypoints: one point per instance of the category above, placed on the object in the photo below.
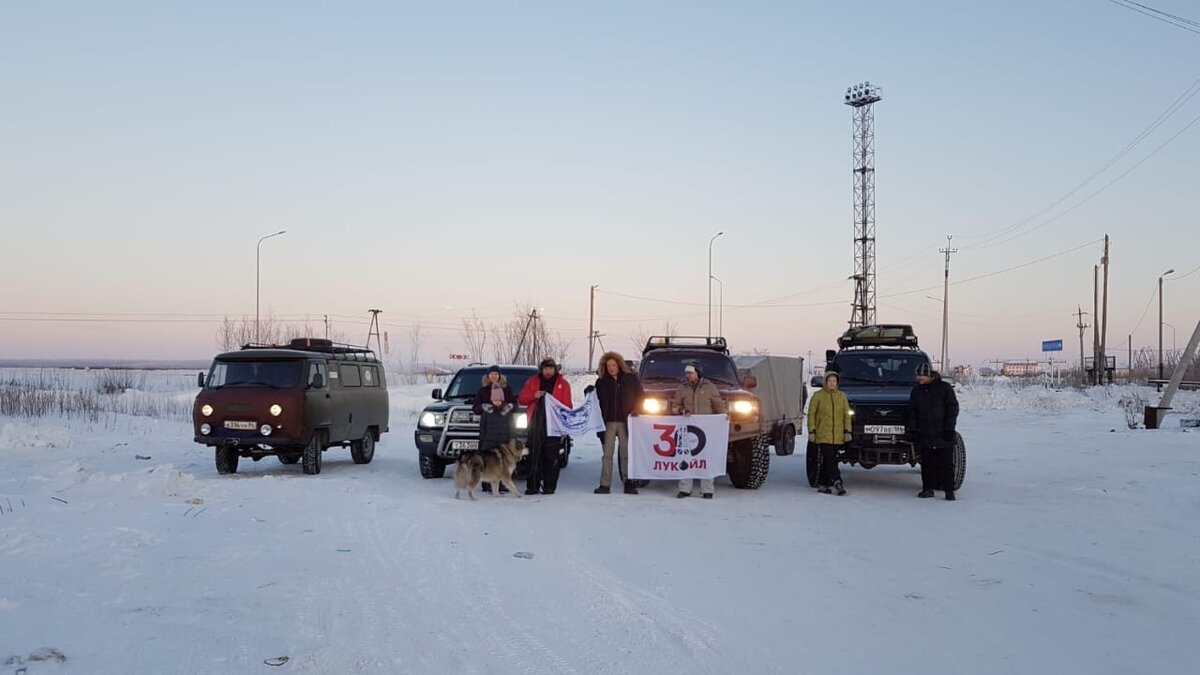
pixel 1074 548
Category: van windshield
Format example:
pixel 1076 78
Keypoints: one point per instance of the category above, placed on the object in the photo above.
pixel 273 374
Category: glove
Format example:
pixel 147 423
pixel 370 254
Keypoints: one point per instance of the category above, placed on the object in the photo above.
pixel 812 438
pixel 949 436
pixel 588 389
pixel 506 409
pixel 847 438
pixel 488 408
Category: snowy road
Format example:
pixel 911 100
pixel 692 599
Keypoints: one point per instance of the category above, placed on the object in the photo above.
pixel 1072 549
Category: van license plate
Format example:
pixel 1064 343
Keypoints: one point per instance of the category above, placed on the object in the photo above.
pixel 883 429
pixel 241 426
pixel 464 446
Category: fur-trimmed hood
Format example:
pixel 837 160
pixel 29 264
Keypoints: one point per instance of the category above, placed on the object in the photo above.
pixel 486 383
pixel 601 370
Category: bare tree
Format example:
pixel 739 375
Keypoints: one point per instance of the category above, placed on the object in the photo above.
pixel 641 336
pixel 233 333
pixel 475 333
pixel 416 337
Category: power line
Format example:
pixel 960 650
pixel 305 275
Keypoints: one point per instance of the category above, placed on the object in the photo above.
pixel 1181 100
pixel 1184 276
pixel 1159 15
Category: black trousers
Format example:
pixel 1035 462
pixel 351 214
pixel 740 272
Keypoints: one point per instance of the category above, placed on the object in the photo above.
pixel 543 464
pixel 828 471
pixel 937 469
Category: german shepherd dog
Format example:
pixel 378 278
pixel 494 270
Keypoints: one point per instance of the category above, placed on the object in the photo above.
pixel 495 466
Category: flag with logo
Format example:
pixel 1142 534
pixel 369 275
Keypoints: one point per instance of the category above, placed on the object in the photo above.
pixel 579 422
pixel 671 448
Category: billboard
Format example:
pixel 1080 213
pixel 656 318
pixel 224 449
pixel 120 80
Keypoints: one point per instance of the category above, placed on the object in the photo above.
pixel 1052 345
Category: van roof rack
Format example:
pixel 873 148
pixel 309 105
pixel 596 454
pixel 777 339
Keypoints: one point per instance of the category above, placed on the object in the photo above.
pixel 716 344
pixel 322 346
pixel 888 335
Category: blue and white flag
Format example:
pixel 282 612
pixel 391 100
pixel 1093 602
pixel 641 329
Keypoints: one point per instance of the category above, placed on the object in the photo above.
pixel 579 422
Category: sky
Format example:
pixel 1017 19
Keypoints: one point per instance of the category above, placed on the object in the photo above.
pixel 438 159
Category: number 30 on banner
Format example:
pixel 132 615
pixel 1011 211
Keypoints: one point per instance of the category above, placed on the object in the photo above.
pixel 671 437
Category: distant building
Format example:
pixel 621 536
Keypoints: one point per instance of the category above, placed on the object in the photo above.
pixel 1020 368
pixel 987 372
pixel 962 372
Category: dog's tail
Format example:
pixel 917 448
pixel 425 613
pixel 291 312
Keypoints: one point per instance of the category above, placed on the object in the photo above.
pixel 474 464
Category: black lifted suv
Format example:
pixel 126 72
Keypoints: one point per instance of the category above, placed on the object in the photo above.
pixel 449 427
pixel 877 366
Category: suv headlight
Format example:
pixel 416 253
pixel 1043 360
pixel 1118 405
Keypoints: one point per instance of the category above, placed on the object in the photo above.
pixel 276 411
pixel 654 406
pixel 432 419
pixel 206 410
pixel 744 407
pixel 523 421
pixel 205 429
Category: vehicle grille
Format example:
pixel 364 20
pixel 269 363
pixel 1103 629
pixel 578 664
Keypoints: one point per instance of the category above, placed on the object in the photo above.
pixel 463 417
pixel 879 414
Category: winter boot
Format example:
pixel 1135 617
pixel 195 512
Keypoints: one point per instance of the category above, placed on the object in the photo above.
pixel 949 495
pixel 925 494
pixel 487 487
pixel 708 495
pixel 531 491
pixel 825 490
pixel 683 495
pixel 631 489
pixel 602 490
pixel 837 487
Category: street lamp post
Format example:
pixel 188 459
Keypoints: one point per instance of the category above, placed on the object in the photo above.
pixel 710 249
pixel 1160 324
pixel 257 276
pixel 720 305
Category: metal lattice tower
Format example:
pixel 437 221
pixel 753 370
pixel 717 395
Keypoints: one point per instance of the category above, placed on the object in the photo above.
pixel 861 97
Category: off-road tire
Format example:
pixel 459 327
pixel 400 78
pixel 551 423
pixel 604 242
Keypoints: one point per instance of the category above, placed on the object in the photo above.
pixel 311 459
pixel 363 451
pixel 751 461
pixel 786 443
pixel 960 460
pixel 227 460
pixel 431 467
pixel 812 461
pixel 288 459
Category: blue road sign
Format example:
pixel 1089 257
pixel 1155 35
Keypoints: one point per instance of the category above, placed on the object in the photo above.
pixel 1052 345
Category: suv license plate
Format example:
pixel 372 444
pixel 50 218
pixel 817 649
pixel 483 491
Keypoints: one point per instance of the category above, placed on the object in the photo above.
pixel 463 446
pixel 883 429
pixel 241 426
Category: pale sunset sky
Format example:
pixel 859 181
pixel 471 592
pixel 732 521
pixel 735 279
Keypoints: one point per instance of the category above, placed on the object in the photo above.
pixel 430 159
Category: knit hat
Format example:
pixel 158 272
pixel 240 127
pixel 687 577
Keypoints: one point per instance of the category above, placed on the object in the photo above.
pixel 923 370
pixel 691 368
pixel 834 374
pixel 549 362
pixel 494 369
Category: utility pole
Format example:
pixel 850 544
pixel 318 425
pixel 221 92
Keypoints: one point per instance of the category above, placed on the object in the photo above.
pixel 1082 327
pixel 946 306
pixel 525 334
pixel 326 326
pixel 1129 374
pixel 591 326
pixel 1095 326
pixel 374 330
pixel 1103 369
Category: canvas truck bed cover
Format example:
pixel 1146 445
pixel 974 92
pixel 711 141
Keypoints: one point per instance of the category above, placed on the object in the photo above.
pixel 781 386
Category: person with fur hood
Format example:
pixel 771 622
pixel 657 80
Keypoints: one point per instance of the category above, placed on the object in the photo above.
pixel 543 452
pixel 494 403
pixel 620 394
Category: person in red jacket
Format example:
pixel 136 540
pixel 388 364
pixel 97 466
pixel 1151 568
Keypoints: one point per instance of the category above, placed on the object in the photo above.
pixel 543 452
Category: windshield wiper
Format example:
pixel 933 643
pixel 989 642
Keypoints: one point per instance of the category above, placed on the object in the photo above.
pixel 251 384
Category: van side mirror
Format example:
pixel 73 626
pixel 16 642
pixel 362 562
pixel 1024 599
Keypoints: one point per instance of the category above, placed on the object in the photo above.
pixel 200 380
pixel 750 382
pixel 318 382
pixel 816 382
pixel 437 394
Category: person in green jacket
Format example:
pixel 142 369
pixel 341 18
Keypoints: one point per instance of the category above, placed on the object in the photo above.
pixel 829 425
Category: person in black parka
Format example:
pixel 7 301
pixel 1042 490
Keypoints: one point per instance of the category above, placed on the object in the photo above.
pixel 932 418
pixel 619 392
pixel 494 404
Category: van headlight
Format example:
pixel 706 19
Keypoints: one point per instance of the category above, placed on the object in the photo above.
pixel 206 410
pixel 276 411
pixel 432 419
pixel 205 429
pixel 744 407
pixel 653 406
pixel 523 421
